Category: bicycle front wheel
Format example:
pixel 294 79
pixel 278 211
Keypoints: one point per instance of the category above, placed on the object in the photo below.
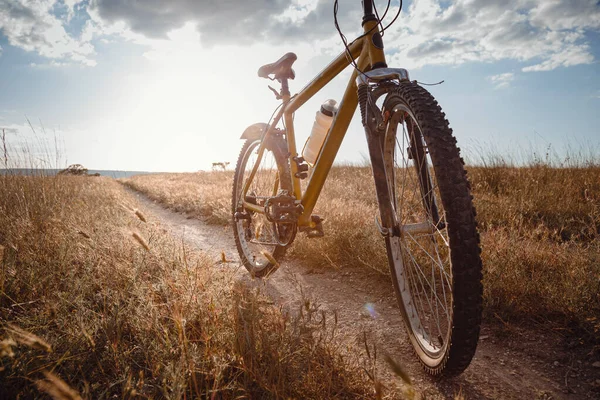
pixel 434 256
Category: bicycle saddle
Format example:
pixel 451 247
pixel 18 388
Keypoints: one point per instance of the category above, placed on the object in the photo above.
pixel 281 69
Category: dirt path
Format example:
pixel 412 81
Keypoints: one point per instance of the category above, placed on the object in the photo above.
pixel 510 363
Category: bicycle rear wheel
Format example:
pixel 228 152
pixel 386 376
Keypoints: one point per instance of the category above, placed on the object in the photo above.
pixel 435 256
pixel 254 234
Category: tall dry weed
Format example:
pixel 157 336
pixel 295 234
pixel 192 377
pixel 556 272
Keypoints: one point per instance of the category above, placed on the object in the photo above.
pixel 126 322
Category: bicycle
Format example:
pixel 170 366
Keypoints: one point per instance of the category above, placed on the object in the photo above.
pixel 426 215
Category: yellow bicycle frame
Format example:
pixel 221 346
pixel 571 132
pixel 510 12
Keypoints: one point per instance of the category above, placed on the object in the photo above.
pixel 366 53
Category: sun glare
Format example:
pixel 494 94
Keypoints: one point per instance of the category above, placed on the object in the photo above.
pixel 193 102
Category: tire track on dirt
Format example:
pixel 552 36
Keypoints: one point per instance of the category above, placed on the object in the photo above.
pixel 365 304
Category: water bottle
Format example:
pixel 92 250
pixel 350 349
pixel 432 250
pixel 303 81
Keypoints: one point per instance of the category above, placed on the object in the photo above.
pixel 323 120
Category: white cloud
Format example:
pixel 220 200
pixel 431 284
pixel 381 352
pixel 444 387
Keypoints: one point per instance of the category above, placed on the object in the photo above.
pixel 232 22
pixel 72 6
pixel 51 64
pixel 557 15
pixel 549 34
pixel 0 50
pixel 572 55
pixel 31 26
pixel 502 80
pixel 542 34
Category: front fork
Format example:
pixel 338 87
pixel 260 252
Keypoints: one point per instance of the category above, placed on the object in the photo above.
pixel 374 130
pixel 371 86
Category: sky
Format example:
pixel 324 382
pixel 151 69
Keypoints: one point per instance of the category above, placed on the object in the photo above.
pixel 170 86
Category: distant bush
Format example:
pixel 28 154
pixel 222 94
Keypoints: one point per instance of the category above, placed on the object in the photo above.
pixel 74 169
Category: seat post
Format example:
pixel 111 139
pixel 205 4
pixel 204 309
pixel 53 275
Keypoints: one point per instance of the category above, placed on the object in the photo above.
pixel 285 89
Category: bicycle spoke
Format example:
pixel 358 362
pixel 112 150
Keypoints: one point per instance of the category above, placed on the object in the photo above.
pixel 415 287
pixel 443 273
pixel 427 253
pixel 424 277
pixel 430 301
pixel 427 281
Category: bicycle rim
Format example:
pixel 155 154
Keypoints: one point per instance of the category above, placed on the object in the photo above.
pixel 420 255
pixel 257 235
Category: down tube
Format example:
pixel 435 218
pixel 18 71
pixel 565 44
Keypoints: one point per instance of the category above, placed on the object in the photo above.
pixel 330 148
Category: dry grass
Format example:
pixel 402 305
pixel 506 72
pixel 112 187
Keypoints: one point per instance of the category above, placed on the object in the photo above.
pixel 539 225
pixel 540 238
pixel 95 302
pixel 205 195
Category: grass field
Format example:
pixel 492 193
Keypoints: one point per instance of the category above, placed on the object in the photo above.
pixel 96 302
pixel 539 228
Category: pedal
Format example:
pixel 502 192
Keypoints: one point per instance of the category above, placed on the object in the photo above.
pixel 317 230
pixel 302 168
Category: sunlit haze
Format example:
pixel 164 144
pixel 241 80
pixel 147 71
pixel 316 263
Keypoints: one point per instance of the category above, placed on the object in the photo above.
pixel 145 86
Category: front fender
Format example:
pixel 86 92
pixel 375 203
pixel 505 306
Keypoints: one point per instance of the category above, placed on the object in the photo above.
pixel 254 131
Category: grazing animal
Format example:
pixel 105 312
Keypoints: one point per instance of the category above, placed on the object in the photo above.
pixel 220 165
